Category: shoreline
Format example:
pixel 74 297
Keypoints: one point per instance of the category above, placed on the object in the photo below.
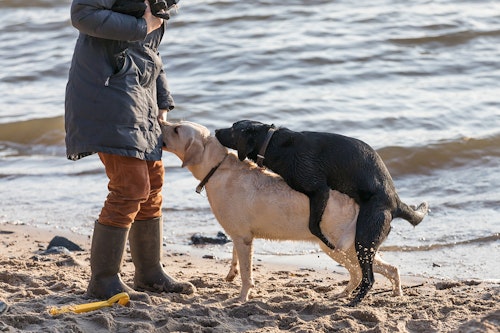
pixel 294 297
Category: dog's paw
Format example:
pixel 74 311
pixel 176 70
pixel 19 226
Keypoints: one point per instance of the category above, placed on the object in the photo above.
pixel 230 277
pixel 233 301
pixel 397 292
pixel 342 294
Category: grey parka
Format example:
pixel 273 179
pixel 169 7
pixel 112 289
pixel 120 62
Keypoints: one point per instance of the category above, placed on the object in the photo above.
pixel 116 85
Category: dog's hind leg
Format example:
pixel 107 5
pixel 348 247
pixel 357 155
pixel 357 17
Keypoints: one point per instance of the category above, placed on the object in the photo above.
pixel 244 250
pixel 349 261
pixel 390 272
pixel 233 270
pixel 317 205
pixel 372 227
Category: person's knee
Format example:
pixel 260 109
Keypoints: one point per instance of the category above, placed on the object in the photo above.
pixel 138 192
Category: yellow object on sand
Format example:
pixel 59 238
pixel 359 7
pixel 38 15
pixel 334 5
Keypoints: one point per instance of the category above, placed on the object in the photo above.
pixel 121 298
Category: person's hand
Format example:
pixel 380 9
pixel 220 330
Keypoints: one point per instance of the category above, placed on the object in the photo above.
pixel 152 21
pixel 162 115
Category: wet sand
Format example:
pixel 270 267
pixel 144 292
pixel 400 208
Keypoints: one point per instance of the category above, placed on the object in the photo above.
pixel 286 297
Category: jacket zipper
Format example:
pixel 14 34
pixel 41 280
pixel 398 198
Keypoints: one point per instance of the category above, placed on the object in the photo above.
pixel 106 83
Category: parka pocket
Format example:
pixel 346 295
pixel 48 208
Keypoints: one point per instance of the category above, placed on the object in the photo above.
pixel 122 62
pixel 147 65
pixel 135 68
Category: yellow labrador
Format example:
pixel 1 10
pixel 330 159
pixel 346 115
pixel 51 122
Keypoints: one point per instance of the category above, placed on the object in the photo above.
pixel 250 202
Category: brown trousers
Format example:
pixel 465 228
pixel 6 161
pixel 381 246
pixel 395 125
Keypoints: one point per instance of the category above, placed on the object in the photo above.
pixel 134 190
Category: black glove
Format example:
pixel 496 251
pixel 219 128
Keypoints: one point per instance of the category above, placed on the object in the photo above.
pixel 130 7
pixel 137 7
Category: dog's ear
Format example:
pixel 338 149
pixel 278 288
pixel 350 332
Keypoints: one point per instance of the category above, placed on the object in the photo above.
pixel 193 152
pixel 243 146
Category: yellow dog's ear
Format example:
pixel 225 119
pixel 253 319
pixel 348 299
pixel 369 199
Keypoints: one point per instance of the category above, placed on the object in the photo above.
pixel 193 152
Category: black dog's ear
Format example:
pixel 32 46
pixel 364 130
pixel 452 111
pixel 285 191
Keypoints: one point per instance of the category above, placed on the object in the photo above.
pixel 243 146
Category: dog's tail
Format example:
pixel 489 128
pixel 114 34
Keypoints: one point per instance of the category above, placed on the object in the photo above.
pixel 412 214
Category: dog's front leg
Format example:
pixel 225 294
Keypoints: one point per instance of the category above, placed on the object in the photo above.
pixel 233 270
pixel 244 250
pixel 317 205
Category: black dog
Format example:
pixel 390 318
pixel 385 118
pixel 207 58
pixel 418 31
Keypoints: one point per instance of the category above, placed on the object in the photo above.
pixel 315 162
pixel 159 8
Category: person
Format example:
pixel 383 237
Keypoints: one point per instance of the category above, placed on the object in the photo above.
pixel 115 95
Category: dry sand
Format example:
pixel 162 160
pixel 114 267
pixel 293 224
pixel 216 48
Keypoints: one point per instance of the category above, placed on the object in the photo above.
pixel 286 298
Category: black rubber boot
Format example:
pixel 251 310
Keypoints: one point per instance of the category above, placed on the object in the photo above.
pixel 106 255
pixel 145 239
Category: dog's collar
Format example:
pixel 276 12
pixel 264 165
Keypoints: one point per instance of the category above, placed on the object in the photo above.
pixel 262 153
pixel 202 184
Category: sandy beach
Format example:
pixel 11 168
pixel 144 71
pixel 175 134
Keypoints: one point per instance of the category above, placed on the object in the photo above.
pixel 286 298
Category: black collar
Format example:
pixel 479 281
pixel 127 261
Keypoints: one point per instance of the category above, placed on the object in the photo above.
pixel 261 155
pixel 202 184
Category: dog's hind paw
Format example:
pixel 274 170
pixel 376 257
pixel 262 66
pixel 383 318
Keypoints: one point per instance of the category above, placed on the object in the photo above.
pixel 342 294
pixel 397 292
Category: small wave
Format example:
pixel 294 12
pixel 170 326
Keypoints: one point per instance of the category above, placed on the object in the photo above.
pixel 442 155
pixel 400 160
pixel 447 39
pixel 396 248
pixel 30 4
pixel 44 131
